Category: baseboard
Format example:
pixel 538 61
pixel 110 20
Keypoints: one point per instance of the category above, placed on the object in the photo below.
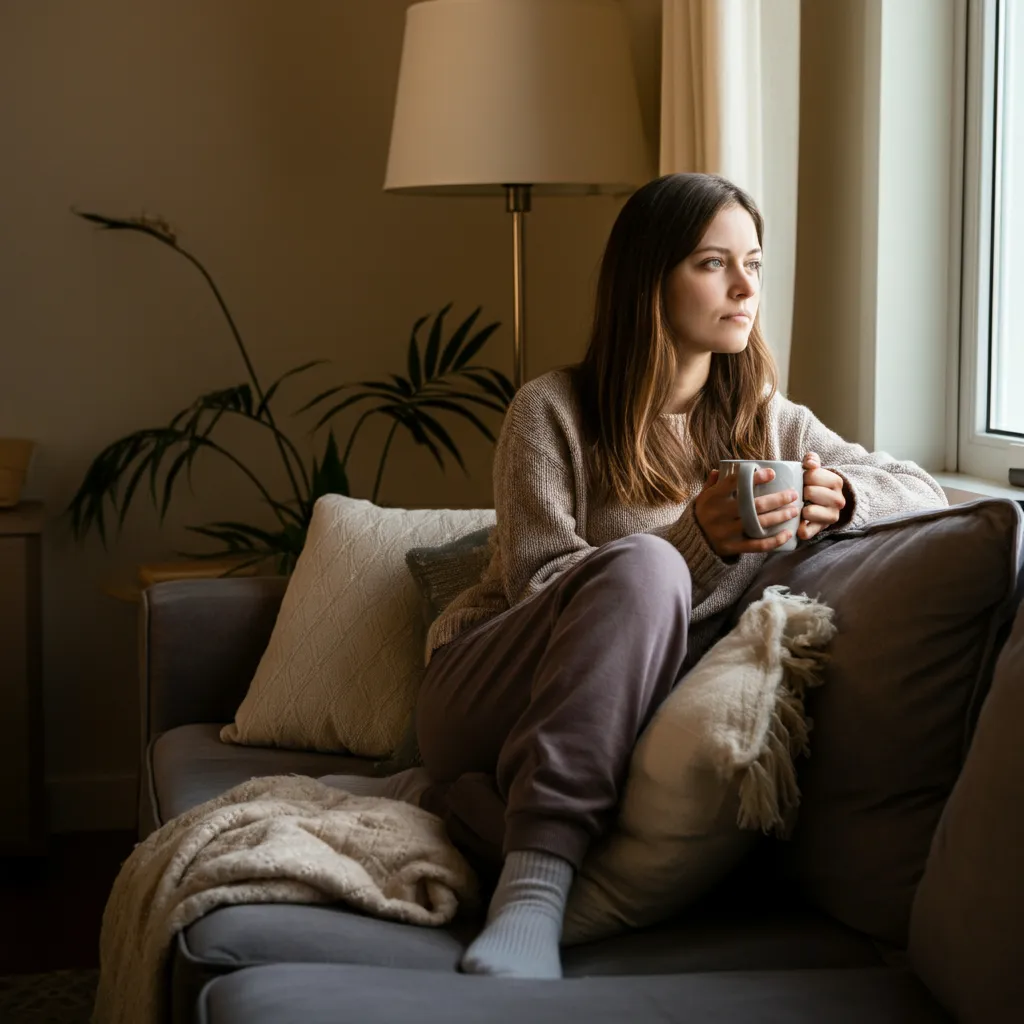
pixel 91 803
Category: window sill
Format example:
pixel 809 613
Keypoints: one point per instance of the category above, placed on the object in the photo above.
pixel 990 488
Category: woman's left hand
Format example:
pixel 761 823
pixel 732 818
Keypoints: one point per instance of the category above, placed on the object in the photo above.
pixel 823 497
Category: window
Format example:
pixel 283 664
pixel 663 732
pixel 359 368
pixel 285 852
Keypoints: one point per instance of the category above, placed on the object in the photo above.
pixel 991 400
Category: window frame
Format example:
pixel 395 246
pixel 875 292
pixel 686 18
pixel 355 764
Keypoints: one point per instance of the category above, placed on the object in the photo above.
pixel 979 451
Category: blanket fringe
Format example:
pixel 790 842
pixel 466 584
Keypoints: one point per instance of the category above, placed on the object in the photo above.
pixel 768 793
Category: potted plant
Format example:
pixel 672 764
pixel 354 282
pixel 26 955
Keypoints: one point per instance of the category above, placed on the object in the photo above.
pixel 442 377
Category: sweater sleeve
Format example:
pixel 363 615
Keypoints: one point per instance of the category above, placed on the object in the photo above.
pixel 707 570
pixel 534 502
pixel 876 484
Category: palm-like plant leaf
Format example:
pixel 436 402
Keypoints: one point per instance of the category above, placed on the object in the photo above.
pixel 495 375
pixel 449 393
pixel 458 410
pixel 473 346
pixel 490 386
pixel 440 378
pixel 404 387
pixel 351 400
pixel 451 350
pixel 415 371
pixel 432 426
pixel 272 390
pixel 434 343
pixel 329 475
pixel 419 435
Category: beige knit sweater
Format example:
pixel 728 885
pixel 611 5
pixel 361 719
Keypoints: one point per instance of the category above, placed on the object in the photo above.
pixel 548 519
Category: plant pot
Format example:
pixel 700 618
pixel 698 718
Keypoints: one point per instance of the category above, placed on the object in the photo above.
pixel 15 457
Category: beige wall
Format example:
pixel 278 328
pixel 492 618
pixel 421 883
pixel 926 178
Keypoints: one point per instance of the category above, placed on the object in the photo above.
pixel 875 313
pixel 260 131
pixel 825 359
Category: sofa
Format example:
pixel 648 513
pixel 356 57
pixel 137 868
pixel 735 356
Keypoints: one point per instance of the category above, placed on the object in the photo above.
pixel 761 946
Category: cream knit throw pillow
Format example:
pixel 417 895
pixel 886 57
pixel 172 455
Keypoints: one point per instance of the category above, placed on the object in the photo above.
pixel 715 762
pixel 345 659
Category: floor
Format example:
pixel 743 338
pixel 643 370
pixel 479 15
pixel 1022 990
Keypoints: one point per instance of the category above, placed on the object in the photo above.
pixel 51 907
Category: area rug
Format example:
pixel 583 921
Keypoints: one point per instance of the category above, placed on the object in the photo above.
pixel 56 997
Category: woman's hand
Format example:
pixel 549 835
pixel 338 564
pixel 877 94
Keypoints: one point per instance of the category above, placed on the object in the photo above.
pixel 718 515
pixel 823 498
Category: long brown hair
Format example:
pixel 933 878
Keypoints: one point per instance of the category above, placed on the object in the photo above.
pixel 627 375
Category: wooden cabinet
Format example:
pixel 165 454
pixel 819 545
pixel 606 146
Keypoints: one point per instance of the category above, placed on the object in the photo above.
pixel 22 798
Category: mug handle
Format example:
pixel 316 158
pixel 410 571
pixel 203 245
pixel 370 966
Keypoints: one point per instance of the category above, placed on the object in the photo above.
pixel 745 498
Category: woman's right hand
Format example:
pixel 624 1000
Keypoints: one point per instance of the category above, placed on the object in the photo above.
pixel 718 514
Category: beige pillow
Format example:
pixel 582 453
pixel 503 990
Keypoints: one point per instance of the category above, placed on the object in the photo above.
pixel 345 659
pixel 715 762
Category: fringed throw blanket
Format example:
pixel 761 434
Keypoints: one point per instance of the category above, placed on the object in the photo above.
pixel 278 839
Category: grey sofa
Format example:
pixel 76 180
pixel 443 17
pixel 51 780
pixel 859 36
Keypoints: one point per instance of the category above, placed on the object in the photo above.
pixel 752 950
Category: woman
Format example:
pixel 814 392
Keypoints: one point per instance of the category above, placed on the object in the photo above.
pixel 618 551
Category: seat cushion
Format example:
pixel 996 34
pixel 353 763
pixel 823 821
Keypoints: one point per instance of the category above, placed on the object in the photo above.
pixel 190 765
pixel 730 929
pixel 322 994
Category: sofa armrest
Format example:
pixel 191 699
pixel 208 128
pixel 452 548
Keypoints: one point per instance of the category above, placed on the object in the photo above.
pixel 200 644
pixel 965 939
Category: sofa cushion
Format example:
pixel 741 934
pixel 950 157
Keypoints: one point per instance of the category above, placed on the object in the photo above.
pixel 345 659
pixel 322 994
pixel 965 932
pixel 444 571
pixel 711 937
pixel 190 765
pixel 919 603
pixel 746 923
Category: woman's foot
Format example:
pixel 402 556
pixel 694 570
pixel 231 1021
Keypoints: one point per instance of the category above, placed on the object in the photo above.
pixel 407 786
pixel 524 922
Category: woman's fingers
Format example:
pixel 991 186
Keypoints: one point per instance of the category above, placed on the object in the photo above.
pixel 782 515
pixel 807 530
pixel 745 546
pixel 824 496
pixel 819 514
pixel 770 502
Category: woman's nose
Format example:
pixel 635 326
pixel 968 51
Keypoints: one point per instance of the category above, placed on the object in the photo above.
pixel 744 284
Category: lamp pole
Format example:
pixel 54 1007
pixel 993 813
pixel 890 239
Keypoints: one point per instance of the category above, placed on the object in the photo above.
pixel 517 202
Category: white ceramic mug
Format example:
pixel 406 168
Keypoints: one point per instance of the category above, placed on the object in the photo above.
pixel 789 476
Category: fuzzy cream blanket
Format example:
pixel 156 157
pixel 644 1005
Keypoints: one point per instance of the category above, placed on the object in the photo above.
pixel 278 839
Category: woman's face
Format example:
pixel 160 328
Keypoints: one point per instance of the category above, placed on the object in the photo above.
pixel 711 297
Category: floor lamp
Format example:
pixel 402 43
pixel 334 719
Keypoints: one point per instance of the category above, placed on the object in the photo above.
pixel 521 98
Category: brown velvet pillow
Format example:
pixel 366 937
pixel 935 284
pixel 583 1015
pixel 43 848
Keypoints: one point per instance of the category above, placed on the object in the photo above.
pixel 965 932
pixel 920 602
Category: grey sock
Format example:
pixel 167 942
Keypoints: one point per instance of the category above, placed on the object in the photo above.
pixel 524 922
pixel 407 785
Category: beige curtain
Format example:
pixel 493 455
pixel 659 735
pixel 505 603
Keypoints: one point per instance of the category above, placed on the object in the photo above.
pixel 730 85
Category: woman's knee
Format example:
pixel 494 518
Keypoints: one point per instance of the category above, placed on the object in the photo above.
pixel 648 565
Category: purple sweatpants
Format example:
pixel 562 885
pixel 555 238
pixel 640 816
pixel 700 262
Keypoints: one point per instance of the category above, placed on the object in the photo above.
pixel 526 722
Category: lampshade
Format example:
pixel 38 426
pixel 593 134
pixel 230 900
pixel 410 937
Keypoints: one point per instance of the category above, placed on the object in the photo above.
pixel 496 92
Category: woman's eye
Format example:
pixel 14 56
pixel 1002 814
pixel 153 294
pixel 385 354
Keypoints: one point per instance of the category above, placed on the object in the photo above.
pixel 755 265
pixel 714 263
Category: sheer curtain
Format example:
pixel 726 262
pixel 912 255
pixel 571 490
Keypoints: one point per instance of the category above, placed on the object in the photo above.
pixel 730 86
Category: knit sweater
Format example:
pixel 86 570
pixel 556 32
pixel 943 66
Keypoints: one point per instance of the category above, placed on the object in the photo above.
pixel 548 518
